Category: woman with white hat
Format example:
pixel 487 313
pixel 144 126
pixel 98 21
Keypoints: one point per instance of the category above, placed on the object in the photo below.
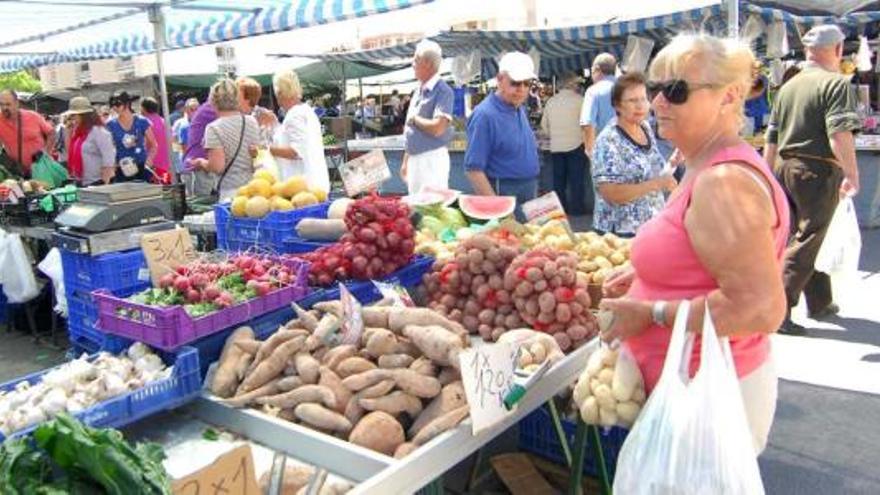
pixel 91 153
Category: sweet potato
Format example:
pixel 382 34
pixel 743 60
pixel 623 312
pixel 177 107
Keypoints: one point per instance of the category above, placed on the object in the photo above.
pixel 320 416
pixel 376 316
pixel 366 379
pixel 448 375
pixel 424 366
pixel 437 343
pixel 378 431
pixel 329 323
pixel 292 480
pixel 306 318
pixel 441 424
pixel 399 318
pixel 415 383
pixel 272 343
pixel 390 361
pixel 394 404
pixel 379 341
pixel 273 365
pixel 225 379
pixel 377 390
pixel 451 397
pixel 332 381
pixel 307 367
pixel 404 450
pixel 353 410
pixel 288 383
pixel 337 354
pixel 249 346
pixel 301 395
pixel 353 366
pixel 245 399
pixel 321 229
pixel 244 363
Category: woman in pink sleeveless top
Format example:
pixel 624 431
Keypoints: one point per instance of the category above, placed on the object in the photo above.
pixel 721 237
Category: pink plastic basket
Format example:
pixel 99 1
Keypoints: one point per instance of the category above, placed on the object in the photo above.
pixel 169 328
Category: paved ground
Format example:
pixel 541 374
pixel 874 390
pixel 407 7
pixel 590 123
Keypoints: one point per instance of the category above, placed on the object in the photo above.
pixel 824 440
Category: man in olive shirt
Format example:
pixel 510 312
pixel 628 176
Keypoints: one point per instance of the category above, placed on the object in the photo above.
pixel 811 128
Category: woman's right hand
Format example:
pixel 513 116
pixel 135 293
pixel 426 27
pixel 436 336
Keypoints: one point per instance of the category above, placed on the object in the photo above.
pixel 619 282
pixel 666 183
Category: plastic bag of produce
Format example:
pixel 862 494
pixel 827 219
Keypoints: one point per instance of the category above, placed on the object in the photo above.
pixel 16 274
pixel 692 436
pixel 842 246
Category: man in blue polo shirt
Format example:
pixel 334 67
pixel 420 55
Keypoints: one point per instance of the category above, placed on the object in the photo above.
pixel 502 153
pixel 427 131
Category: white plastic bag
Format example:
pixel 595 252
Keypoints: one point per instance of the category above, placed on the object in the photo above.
pixel 51 267
pixel 842 246
pixel 692 436
pixel 16 273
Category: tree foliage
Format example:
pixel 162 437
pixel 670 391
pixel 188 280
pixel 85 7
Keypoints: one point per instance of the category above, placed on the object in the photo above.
pixel 20 81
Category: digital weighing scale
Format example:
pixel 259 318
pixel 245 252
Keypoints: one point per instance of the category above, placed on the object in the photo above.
pixel 112 218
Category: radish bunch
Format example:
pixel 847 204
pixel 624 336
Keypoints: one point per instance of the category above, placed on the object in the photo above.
pixel 469 288
pixel 549 297
pixel 379 241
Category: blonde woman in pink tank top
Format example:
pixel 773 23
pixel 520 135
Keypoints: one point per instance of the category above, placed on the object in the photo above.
pixel 721 237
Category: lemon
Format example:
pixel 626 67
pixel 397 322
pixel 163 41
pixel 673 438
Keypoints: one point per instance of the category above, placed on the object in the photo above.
pixel 260 187
pixel 294 186
pixel 265 175
pixel 239 206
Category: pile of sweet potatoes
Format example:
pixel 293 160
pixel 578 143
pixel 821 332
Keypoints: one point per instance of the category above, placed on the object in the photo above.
pixel 395 389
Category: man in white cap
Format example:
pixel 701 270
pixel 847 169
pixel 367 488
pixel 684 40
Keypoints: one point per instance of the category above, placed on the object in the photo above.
pixel 502 153
pixel 427 131
pixel 811 128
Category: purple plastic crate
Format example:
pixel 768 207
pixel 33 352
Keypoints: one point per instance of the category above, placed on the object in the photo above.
pixel 171 327
pixel 183 386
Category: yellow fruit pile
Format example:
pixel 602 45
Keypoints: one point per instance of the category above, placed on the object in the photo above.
pixel 264 194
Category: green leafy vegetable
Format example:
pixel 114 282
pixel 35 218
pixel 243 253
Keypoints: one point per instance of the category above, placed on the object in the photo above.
pixel 210 434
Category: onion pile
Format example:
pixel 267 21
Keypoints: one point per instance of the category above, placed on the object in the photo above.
pixel 379 241
pixel 549 297
pixel 469 288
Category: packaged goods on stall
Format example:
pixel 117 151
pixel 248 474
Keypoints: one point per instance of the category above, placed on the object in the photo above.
pixel 391 388
pixel 78 385
pixel 610 391
pixel 264 194
pixel 379 240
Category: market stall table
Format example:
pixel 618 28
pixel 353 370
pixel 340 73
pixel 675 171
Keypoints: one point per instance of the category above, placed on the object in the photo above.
pixel 375 473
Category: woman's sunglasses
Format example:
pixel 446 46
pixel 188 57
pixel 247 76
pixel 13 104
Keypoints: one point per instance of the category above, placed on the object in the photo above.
pixel 677 91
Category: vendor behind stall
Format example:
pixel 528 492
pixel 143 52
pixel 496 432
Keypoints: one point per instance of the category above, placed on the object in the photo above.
pixel 502 152
pixel 427 131
pixel 91 154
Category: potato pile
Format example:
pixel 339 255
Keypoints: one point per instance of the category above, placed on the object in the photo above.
pixel 610 391
pixel 394 390
pixel 549 297
pixel 469 288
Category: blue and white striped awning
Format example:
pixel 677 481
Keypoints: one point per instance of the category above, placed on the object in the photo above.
pixel 849 21
pixel 123 31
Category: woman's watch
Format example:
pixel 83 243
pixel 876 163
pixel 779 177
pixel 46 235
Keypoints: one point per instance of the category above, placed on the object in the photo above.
pixel 658 313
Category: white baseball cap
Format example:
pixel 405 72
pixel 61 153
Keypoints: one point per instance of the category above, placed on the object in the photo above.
pixel 518 66
pixel 824 35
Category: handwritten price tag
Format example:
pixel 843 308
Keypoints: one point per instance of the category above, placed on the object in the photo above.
pixel 364 173
pixel 166 250
pixel 545 208
pixel 352 324
pixel 487 373
pixel 232 473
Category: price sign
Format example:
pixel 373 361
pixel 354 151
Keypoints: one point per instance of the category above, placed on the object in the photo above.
pixel 166 250
pixel 232 473
pixel 352 324
pixel 364 173
pixel 487 373
pixel 399 295
pixel 546 208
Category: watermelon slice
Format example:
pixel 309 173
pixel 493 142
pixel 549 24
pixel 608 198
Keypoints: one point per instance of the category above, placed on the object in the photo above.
pixel 449 195
pixel 486 207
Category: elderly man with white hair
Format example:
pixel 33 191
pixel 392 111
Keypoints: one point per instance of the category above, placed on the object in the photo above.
pixel 427 131
pixel 502 153
pixel 297 144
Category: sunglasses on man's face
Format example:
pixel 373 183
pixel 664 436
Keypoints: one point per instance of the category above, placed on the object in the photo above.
pixel 677 91
pixel 520 84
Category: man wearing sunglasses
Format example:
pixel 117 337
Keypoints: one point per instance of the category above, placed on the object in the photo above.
pixel 502 153
pixel 811 128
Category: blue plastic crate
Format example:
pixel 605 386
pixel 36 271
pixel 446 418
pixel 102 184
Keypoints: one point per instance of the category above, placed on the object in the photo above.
pixel 366 292
pixel 268 233
pixel 82 320
pixel 299 246
pixel 111 271
pixel 183 386
pixel 537 435
pixel 210 347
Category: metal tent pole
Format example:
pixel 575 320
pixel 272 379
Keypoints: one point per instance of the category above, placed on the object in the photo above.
pixel 733 18
pixel 158 20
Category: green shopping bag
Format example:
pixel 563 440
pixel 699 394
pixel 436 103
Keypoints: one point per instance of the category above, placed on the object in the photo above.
pixel 49 172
